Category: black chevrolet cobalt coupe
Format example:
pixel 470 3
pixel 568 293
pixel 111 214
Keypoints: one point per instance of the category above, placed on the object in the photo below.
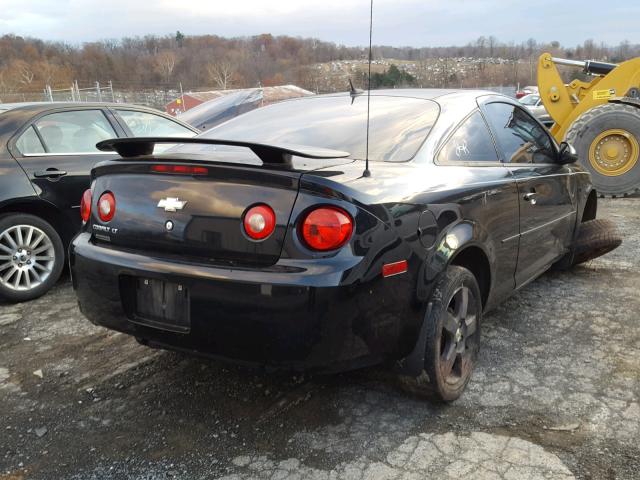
pixel 265 241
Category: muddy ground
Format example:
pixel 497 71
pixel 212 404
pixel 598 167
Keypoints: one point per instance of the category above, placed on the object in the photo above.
pixel 556 395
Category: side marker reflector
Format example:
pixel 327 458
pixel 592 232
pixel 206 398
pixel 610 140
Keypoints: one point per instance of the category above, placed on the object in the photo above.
pixel 396 268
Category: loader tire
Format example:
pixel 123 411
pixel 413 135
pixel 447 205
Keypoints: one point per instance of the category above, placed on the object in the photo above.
pixel 594 239
pixel 607 140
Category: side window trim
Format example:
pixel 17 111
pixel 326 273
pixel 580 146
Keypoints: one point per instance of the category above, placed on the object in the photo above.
pixel 469 162
pixel 44 145
pixel 115 123
pixel 501 154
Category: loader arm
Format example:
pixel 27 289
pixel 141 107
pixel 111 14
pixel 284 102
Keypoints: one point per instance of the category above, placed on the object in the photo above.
pixel 566 102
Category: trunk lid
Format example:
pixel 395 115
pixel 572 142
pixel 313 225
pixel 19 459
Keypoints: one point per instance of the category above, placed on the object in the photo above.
pixel 205 211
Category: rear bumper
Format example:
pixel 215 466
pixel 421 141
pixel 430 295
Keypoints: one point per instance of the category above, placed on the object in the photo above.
pixel 295 315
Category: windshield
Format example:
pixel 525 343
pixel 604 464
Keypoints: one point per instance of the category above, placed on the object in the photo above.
pixel 214 112
pixel 398 126
pixel 530 100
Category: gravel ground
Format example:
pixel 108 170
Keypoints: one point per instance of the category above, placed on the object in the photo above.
pixel 556 396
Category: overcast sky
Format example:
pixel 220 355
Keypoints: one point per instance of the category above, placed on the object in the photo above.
pixel 396 22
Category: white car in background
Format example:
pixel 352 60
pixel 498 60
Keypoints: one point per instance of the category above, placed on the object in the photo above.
pixel 534 104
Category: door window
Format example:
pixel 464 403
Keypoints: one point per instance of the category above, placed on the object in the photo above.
pixel 29 143
pixel 471 142
pixel 519 136
pixel 74 132
pixel 143 124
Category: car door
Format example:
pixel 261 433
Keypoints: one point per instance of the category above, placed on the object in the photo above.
pixel 546 189
pixel 490 197
pixel 57 151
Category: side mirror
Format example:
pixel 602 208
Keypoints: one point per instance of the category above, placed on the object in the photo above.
pixel 567 154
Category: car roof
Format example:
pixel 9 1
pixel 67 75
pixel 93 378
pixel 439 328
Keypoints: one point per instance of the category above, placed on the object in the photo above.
pixel 37 107
pixel 14 117
pixel 439 95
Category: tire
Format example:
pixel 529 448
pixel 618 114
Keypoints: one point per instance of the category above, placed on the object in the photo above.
pixel 31 257
pixel 585 130
pixel 595 238
pixel 442 352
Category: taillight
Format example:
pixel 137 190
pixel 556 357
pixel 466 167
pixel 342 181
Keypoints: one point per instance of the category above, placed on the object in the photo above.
pixel 326 228
pixel 182 169
pixel 106 206
pixel 85 206
pixel 259 221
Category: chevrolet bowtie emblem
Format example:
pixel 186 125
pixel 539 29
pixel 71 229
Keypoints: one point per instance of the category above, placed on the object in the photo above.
pixel 171 204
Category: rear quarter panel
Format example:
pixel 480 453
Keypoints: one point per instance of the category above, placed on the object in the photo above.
pixel 425 214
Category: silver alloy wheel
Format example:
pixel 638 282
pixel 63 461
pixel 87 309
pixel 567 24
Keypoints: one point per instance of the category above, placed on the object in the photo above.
pixel 27 257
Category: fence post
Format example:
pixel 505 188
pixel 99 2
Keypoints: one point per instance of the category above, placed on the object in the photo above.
pixel 113 98
pixel 98 91
pixel 181 99
pixel 73 93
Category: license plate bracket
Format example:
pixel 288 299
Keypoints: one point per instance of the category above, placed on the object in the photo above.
pixel 162 305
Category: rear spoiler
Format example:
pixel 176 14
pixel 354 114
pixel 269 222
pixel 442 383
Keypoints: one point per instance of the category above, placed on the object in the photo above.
pixel 278 154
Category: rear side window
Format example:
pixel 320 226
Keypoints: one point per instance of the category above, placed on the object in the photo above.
pixel 471 142
pixel 519 136
pixel 143 124
pixel 29 143
pixel 75 131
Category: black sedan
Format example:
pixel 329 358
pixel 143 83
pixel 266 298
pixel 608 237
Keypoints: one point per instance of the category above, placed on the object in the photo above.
pixel 47 151
pixel 264 241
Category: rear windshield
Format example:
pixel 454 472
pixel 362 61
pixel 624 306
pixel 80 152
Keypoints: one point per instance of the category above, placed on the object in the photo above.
pixel 398 125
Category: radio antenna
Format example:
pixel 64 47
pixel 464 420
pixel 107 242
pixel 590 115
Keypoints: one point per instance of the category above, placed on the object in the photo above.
pixel 367 172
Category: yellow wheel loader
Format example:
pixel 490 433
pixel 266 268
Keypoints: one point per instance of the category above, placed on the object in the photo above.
pixel 600 118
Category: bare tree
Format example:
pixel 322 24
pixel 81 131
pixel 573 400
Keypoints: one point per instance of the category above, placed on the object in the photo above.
pixel 22 72
pixel 481 43
pixel 623 50
pixel 46 72
pixel 165 63
pixel 221 74
pixel 5 84
pixel 492 41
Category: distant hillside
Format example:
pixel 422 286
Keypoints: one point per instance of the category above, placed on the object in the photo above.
pixel 209 61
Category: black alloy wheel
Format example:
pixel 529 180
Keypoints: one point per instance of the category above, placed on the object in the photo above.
pixel 451 333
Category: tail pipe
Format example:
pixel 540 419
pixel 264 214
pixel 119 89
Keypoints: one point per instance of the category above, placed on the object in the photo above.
pixel 588 66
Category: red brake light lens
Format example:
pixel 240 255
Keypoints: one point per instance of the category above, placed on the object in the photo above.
pixel 106 206
pixel 85 206
pixel 259 221
pixel 181 169
pixel 327 228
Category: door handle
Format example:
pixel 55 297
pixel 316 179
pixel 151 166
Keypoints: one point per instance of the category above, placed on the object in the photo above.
pixel 530 197
pixel 49 173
